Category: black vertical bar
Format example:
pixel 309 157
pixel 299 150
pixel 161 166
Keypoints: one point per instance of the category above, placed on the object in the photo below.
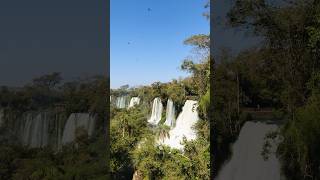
pixel 107 122
pixel 213 142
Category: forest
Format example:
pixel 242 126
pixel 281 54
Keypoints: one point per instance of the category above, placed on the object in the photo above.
pixel 281 74
pixel 53 97
pixel 129 127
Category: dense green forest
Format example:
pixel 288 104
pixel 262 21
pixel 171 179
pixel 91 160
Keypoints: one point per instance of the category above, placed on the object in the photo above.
pixel 85 158
pixel 282 73
pixel 129 127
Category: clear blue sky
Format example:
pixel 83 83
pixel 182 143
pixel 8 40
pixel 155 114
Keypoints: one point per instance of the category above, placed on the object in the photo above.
pixel 147 44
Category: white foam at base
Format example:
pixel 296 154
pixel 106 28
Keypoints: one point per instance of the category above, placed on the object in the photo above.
pixel 184 126
pixel 134 101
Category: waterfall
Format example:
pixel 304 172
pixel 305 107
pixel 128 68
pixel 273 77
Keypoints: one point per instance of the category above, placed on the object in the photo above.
pixel 134 101
pixel 184 126
pixel 121 102
pixel 112 100
pixel 246 161
pixel 170 114
pixel 77 120
pixel 35 130
pixel 47 128
pixel 156 111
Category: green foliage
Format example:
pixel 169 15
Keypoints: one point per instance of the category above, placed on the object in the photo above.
pixel 301 140
pixel 83 159
pixel 200 75
pixel 226 109
pixel 161 162
pixel 127 129
pixel 284 74
pixel 204 105
pixel 86 161
pixel 201 41
pixel 162 132
pixel 314 30
pixel 134 149
pixel 176 91
pixel 48 81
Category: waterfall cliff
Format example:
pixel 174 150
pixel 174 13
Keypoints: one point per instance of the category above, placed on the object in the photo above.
pixel 35 132
pixel 46 128
pixel 121 102
pixel 77 120
pixel 156 111
pixel 184 126
pixel 37 129
pixel 170 114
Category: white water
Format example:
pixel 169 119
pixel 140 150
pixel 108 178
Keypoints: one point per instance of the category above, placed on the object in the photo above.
pixel 47 128
pixel 121 102
pixel 184 126
pixel 156 111
pixel 35 130
pixel 77 120
pixel 246 161
pixel 134 101
pixel 170 114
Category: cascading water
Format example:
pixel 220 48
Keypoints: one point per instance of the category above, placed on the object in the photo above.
pixel 121 102
pixel 35 130
pixel 134 101
pixel 115 101
pixel 77 120
pixel 156 111
pixel 170 114
pixel 47 128
pixel 246 161
pixel 184 126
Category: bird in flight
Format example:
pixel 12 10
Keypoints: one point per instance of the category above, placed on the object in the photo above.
pixel 149 9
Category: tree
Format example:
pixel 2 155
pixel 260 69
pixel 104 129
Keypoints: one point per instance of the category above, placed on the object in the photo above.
pixel 48 81
pixel 162 132
pixel 283 73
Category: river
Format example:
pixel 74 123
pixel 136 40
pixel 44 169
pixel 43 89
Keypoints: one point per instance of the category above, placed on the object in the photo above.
pixel 246 162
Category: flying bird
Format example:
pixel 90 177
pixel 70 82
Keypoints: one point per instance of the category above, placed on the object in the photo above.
pixel 149 9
